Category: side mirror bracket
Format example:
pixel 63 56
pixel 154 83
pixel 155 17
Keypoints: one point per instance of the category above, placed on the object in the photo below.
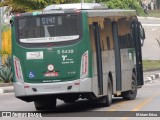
pixel 142 34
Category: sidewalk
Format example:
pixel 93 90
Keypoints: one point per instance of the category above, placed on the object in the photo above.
pixel 149 76
pixel 7 89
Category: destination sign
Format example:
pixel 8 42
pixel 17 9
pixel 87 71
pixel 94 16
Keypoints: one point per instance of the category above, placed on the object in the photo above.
pixel 53 12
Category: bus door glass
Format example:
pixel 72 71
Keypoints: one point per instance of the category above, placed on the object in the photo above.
pixel 138 45
pixel 98 51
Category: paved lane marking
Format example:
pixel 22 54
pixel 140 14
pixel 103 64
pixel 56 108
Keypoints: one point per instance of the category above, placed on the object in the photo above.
pixel 116 106
pixel 142 104
pixel 145 102
pixel 124 118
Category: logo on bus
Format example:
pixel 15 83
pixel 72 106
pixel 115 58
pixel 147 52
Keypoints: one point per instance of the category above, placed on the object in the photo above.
pixel 50 67
pixel 31 75
pixel 34 55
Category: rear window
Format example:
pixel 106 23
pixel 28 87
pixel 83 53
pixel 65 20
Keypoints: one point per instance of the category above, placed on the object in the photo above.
pixel 49 29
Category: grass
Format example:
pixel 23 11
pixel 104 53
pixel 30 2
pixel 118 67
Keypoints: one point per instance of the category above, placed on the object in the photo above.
pixel 153 13
pixel 1 80
pixel 151 64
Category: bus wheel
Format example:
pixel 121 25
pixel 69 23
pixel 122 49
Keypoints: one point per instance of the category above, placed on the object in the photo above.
pixel 131 94
pixel 107 100
pixel 46 103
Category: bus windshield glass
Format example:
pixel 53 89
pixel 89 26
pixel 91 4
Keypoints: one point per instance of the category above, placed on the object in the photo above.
pixel 49 28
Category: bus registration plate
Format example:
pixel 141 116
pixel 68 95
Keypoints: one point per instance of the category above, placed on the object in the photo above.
pixel 51 74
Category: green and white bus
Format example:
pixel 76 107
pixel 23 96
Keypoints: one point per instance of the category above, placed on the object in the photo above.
pixel 70 51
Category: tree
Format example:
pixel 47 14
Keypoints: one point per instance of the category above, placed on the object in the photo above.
pixel 125 4
pixel 31 5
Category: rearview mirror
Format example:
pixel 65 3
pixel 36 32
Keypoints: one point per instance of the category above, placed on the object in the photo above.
pixel 142 33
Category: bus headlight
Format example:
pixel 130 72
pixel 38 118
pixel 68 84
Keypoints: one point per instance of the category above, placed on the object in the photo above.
pixel 84 65
pixel 18 69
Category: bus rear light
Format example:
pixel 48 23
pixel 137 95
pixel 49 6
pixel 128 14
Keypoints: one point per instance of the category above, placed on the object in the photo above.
pixel 18 15
pixel 26 86
pixel 84 65
pixel 78 11
pixel 76 83
pixel 18 69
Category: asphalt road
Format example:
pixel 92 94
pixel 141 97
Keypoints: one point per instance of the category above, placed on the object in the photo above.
pixel 151 47
pixel 148 99
pixel 149 20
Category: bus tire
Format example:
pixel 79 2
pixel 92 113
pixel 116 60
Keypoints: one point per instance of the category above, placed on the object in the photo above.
pixel 131 94
pixel 45 103
pixel 107 100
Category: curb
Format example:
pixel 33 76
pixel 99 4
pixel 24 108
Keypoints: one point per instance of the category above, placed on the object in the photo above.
pixel 7 89
pixel 151 78
pixel 151 25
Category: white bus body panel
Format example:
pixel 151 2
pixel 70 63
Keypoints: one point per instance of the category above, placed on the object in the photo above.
pixel 108 60
pixel 127 66
pixel 78 86
pixel 108 66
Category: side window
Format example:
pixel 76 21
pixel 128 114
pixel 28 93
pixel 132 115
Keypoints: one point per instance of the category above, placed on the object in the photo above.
pixel 102 36
pixel 125 33
pixel 92 37
pixel 129 34
pixel 105 31
pixel 121 33
pixel 108 34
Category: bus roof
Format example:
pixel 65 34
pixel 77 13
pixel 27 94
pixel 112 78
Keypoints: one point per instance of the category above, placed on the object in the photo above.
pixel 75 6
pixel 110 13
pixel 93 9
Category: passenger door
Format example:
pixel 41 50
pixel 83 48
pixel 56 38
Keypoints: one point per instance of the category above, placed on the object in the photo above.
pixel 137 43
pixel 117 57
pixel 98 56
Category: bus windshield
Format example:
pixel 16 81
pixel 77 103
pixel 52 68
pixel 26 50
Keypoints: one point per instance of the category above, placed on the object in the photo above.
pixel 49 28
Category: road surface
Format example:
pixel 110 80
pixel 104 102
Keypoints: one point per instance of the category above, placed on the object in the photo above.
pixel 148 99
pixel 151 48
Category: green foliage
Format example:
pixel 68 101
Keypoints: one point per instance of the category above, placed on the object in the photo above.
pixel 19 6
pixel 5 27
pixel 6 74
pixel 3 53
pixel 25 5
pixel 125 4
pixel 31 5
pixel 151 64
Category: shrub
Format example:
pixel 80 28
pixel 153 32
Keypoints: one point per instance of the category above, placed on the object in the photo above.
pixel 6 74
